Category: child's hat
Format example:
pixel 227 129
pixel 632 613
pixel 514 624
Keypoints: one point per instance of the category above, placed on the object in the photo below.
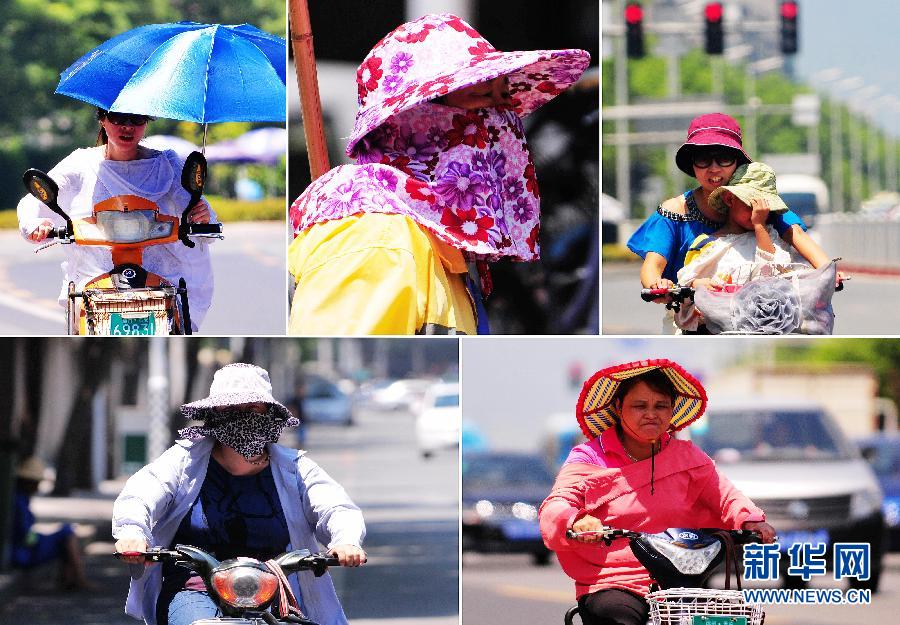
pixel 436 54
pixel 749 182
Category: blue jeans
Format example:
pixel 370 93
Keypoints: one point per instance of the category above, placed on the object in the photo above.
pixel 188 606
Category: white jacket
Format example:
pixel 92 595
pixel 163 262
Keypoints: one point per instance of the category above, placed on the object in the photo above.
pixel 156 499
pixel 86 178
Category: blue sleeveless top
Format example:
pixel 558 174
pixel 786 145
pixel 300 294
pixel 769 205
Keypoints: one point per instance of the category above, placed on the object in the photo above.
pixel 670 234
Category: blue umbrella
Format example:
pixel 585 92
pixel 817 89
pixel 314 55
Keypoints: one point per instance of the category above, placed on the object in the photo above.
pixel 194 72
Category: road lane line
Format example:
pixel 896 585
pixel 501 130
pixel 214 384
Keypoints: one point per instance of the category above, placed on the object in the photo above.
pixel 35 309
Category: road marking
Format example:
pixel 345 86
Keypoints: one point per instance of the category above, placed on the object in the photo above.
pixel 35 309
pixel 566 597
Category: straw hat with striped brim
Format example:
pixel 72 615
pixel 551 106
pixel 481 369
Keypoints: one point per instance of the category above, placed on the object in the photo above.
pixel 596 411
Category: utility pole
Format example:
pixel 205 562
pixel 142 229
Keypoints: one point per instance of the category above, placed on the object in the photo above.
pixel 623 150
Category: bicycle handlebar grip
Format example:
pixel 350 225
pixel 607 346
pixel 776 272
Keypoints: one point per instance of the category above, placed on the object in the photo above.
pixel 648 295
pixel 570 534
pixel 204 229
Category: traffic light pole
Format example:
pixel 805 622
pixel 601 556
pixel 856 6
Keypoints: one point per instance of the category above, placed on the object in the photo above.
pixel 623 148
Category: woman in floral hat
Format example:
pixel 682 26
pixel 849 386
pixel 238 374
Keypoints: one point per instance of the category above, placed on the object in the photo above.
pixel 227 488
pixel 444 181
pixel 711 153
pixel 633 474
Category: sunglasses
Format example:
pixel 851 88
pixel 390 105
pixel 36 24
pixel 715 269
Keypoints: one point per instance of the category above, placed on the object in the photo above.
pixel 127 119
pixel 722 159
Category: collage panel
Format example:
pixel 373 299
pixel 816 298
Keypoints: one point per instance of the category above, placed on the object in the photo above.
pixel 151 141
pixel 594 468
pixel 119 445
pixel 750 167
pixel 446 179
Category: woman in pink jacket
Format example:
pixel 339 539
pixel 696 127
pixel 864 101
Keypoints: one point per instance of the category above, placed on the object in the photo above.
pixel 633 474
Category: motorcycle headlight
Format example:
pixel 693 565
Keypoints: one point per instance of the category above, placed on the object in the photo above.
pixel 132 227
pixel 864 503
pixel 687 561
pixel 244 583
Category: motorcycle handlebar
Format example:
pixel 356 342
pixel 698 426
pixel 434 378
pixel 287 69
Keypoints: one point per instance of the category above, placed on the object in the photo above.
pixel 609 534
pixel 675 292
pixel 204 229
pixel 290 561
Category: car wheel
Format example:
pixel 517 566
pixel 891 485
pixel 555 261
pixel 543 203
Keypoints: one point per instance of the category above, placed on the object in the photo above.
pixel 874 578
pixel 541 558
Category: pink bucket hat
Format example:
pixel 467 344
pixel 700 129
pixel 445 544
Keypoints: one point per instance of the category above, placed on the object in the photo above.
pixel 436 54
pixel 712 129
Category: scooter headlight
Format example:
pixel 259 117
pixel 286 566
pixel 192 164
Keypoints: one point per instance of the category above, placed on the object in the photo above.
pixel 244 583
pixel 687 561
pixel 132 227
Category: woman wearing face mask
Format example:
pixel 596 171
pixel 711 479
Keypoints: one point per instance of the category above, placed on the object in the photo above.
pixel 227 488
pixel 632 474
pixel 118 166
pixel 398 243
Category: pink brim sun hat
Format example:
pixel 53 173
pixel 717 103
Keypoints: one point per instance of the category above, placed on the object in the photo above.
pixel 436 54
pixel 712 129
pixel 597 413
pixel 238 383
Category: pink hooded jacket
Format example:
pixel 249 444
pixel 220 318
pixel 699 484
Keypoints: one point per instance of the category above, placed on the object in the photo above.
pixel 599 479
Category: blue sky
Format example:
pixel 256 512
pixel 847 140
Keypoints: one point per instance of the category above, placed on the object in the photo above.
pixel 859 37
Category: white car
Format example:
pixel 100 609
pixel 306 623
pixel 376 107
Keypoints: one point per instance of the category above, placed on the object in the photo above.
pixel 438 423
pixel 400 395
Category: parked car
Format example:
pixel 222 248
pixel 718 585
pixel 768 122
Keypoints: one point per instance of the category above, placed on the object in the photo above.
pixel 501 495
pixel 883 453
pixel 795 463
pixel 400 395
pixel 324 402
pixel 438 423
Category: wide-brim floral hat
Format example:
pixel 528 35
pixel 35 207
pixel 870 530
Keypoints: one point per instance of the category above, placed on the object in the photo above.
pixel 436 54
pixel 596 411
pixel 238 383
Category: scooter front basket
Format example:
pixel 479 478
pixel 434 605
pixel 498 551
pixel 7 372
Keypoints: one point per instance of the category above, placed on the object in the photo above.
pixel 679 606
pixel 135 312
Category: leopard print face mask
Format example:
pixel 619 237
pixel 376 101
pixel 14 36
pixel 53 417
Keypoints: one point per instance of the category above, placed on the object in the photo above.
pixel 244 431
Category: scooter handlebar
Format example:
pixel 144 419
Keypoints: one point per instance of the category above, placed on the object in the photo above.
pixel 204 229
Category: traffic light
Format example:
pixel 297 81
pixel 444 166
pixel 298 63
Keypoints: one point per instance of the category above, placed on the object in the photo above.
pixel 715 36
pixel 788 27
pixel 634 30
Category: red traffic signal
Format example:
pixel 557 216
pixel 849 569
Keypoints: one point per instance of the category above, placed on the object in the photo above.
pixel 789 27
pixel 715 33
pixel 634 30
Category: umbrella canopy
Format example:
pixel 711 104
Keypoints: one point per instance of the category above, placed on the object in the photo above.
pixel 202 73
pixel 263 145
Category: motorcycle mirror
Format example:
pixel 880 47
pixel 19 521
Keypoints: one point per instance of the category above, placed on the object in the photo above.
pixel 45 189
pixel 193 175
pixel 41 186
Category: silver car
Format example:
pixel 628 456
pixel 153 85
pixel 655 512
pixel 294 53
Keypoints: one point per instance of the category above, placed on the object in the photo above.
pixel 795 463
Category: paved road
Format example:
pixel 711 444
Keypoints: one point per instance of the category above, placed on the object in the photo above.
pixel 507 589
pixel 865 307
pixel 249 269
pixel 411 513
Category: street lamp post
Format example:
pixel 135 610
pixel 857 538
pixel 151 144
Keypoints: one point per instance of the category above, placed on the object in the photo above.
pixel 834 128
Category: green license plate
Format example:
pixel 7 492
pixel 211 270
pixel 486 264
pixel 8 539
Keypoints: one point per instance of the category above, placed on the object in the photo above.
pixel 720 620
pixel 144 325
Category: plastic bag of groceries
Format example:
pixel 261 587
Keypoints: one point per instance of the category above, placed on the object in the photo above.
pixel 797 302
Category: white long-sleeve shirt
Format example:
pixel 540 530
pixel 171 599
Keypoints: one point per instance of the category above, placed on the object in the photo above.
pixel 86 178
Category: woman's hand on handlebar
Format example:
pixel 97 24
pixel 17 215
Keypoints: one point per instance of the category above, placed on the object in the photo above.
pixel 40 233
pixel 588 523
pixel 199 213
pixel 349 555
pixel 765 531
pixel 131 544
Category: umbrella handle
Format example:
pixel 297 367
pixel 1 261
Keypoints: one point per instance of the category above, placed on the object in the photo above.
pixel 307 80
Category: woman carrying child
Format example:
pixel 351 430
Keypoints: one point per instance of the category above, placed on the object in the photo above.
pixel 711 153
